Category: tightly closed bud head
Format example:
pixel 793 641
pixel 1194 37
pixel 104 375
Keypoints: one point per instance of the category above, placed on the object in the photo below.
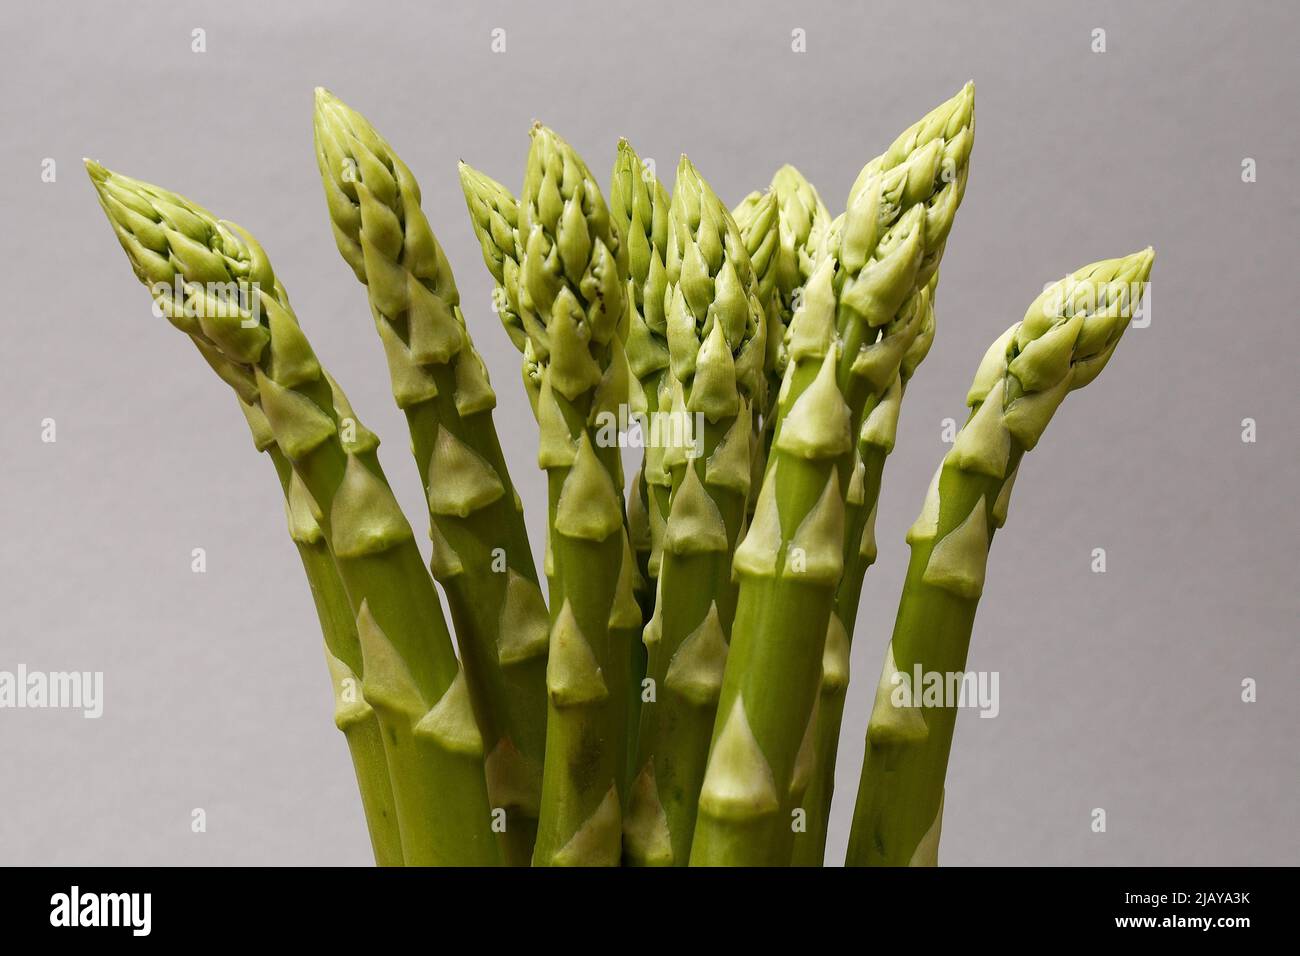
pixel 225 281
pixel 639 209
pixel 1064 341
pixel 494 214
pixel 804 222
pixel 926 166
pixel 711 284
pixel 374 204
pixel 759 222
pixel 569 242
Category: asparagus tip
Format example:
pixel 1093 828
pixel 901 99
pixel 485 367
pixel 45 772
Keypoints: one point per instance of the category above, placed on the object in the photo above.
pixel 97 172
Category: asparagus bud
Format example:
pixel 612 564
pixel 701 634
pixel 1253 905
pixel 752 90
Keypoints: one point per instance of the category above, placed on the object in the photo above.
pixel 494 214
pixel 1066 337
pixel 573 303
pixel 860 312
pixel 410 674
pixel 715 335
pixel 440 382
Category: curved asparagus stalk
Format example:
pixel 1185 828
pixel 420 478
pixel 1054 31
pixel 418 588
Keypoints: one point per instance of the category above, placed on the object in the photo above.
pixel 573 305
pixel 352 714
pixel 484 561
pixel 1067 336
pixel 715 329
pixel 875 441
pixel 409 672
pixel 846 341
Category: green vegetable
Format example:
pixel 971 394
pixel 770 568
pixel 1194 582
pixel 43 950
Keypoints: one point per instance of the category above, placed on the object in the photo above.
pixel 715 343
pixel 680 700
pixel 638 206
pixel 1065 339
pixel 494 214
pixel 758 218
pixel 573 304
pixel 875 440
pixel 352 714
pixel 212 280
pixel 802 225
pixel 639 209
pixel 482 556
pixel 856 318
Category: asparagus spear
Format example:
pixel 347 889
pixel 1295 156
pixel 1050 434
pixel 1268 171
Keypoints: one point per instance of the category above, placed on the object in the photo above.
pixel 856 318
pixel 1065 339
pixel 759 221
pixel 494 214
pixel 573 304
pixel 409 672
pixel 352 714
pixel 639 209
pixel 715 328
pixel 803 222
pixel 875 441
pixel 484 562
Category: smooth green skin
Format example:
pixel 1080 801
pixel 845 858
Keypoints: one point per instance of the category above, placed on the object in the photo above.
pixel 777 642
pixel 585 743
pixel 901 788
pixel 365 740
pixel 676 731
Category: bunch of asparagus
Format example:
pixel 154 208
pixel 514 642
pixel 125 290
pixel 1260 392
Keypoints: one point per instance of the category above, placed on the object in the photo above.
pixel 677 694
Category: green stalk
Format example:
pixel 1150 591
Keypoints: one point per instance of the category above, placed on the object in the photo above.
pixel 483 561
pixel 212 280
pixel 352 714
pixel 715 328
pixel 573 305
pixel 855 320
pixel 874 443
pixel 1067 336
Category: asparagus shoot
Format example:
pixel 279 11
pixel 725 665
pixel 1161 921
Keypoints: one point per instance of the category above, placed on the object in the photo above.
pixel 483 559
pixel 1064 341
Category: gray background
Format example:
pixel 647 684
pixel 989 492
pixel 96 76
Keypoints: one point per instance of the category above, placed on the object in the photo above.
pixel 1119 690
